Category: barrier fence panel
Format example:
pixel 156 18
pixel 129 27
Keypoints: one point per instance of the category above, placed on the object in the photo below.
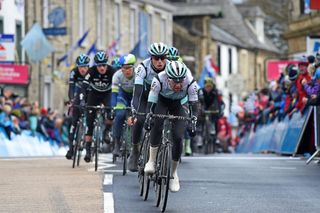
pixel 316 117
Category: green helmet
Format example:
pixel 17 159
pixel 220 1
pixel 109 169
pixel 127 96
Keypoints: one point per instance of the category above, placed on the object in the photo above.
pixel 173 54
pixel 176 70
pixel 158 49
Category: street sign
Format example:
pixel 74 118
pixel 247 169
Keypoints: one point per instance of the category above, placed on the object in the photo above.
pixel 6 47
pixel 55 31
pixel 235 83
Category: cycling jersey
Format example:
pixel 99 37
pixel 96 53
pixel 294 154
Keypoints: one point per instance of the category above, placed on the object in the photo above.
pixel 99 82
pixel 122 88
pixel 161 86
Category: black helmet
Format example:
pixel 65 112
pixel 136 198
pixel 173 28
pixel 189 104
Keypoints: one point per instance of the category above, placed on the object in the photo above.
pixel 101 58
pixel 82 60
pixel 293 73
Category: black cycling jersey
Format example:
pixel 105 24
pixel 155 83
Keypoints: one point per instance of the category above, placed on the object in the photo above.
pixel 99 82
pixel 75 83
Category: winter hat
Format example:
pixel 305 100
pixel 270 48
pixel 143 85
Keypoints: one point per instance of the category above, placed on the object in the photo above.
pixel 293 73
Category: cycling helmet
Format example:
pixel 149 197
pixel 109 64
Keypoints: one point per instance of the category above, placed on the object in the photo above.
pixel 82 60
pixel 116 63
pixel 176 70
pixel 173 54
pixel 127 59
pixel 101 58
pixel 158 49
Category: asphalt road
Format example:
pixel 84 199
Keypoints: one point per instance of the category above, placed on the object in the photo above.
pixel 220 183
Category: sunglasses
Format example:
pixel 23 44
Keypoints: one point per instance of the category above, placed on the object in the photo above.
pixel 159 57
pixel 101 65
pixel 127 67
pixel 177 80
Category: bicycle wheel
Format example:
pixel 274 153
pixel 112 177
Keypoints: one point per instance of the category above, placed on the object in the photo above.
pixel 206 139
pixel 157 178
pixel 124 156
pixel 165 177
pixel 96 148
pixel 80 139
pixel 142 162
pixel 146 177
pixel 75 147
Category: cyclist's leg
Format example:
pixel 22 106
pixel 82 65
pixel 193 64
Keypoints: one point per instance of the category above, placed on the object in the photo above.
pixel 75 117
pixel 93 100
pixel 136 136
pixel 177 137
pixel 155 137
pixel 117 130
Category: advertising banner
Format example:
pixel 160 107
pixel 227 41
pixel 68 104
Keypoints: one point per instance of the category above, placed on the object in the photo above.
pixel 276 67
pixel 6 47
pixel 13 74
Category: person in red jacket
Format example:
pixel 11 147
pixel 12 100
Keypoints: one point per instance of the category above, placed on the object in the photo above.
pixel 224 133
pixel 303 74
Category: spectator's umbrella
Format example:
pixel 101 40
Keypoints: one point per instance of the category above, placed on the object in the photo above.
pixel 36 44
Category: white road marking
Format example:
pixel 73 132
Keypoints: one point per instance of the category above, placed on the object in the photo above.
pixel 114 170
pixel 283 168
pixel 108 179
pixel 238 158
pixel 108 202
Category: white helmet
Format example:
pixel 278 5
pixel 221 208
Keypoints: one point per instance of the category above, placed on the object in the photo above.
pixel 158 49
pixel 176 70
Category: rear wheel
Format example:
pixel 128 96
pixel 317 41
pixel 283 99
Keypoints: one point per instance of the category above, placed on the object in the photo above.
pixel 75 146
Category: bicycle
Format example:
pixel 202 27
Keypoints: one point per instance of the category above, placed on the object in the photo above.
pixel 161 177
pixel 209 130
pixel 125 140
pixel 97 136
pixel 78 139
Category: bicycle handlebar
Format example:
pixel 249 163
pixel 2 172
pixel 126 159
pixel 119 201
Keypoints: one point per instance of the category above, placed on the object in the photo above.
pixel 210 111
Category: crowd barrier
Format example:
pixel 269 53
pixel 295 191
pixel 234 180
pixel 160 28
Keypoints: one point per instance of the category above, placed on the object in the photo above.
pixel 24 144
pixel 279 137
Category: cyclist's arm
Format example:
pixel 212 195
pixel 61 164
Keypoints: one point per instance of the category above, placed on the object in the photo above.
pixel 140 74
pixel 71 85
pixel 85 85
pixel 153 95
pixel 115 89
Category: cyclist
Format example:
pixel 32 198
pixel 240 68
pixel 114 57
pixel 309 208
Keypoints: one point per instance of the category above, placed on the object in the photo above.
pixel 99 79
pixel 75 83
pixel 144 74
pixel 211 99
pixel 122 90
pixel 170 90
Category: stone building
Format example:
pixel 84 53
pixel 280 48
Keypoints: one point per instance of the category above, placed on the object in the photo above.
pixel 108 21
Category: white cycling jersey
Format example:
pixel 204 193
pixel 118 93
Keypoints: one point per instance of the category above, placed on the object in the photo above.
pixel 144 73
pixel 161 86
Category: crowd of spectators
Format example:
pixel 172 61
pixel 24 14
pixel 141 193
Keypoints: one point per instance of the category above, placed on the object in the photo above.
pixel 18 114
pixel 297 88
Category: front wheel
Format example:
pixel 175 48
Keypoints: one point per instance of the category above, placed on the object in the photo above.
pixel 165 177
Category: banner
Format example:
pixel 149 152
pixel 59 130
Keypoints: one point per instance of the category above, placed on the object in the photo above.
pixel 276 67
pixel 7 47
pixel 13 74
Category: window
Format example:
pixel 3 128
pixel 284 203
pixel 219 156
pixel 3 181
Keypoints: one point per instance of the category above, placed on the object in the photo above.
pixel 46 7
pixel 305 6
pixel 219 59
pixel 1 25
pixel 230 60
pixel 163 30
pixel 100 23
pixel 82 17
pixel 117 21
pixel 133 37
pixel 150 29
pixel 18 40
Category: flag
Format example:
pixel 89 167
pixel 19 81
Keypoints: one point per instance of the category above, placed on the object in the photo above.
pixel 138 51
pixel 73 48
pixel 209 70
pixel 36 44
pixel 113 47
pixel 314 4
pixel 91 52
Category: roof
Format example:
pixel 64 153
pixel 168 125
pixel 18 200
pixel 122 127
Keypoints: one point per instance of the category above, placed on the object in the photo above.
pixel 219 34
pixel 186 9
pixel 250 11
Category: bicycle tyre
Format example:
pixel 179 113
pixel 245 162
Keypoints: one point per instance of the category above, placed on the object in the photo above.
pixel 96 149
pixel 80 138
pixel 75 147
pixel 165 180
pixel 157 178
pixel 124 155
pixel 146 177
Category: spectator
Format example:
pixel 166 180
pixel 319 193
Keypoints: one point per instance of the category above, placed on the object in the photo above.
pixel 5 120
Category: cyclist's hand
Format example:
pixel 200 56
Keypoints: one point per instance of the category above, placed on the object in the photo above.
pixel 131 121
pixel 148 122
